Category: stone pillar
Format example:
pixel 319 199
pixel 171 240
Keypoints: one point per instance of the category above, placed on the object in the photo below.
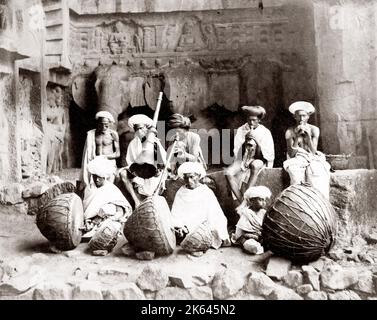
pixel 346 57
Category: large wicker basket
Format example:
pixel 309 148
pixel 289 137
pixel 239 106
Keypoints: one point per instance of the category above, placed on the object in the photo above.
pixel 301 224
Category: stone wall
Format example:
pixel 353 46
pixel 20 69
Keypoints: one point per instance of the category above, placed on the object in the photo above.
pixel 347 88
pixel 225 58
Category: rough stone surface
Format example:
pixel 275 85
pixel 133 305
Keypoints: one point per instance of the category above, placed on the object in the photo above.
pixel 317 295
pixel 52 291
pixel 304 289
pixel 318 264
pixel 259 284
pixel 21 282
pixel 152 278
pixel 226 283
pixel 283 293
pixel 201 293
pixel 128 251
pixel 11 194
pixel 311 276
pixel 293 279
pixel 173 293
pixel 344 295
pixel 28 295
pixel 336 278
pixel 124 291
pixel 365 282
pixel 35 190
pixel 87 290
pixel 17 265
pixel 181 281
pixel 278 267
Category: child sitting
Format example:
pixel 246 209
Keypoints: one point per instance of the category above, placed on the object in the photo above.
pixel 249 227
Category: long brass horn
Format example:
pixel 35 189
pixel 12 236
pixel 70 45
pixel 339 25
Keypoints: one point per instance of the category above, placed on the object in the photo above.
pixel 145 165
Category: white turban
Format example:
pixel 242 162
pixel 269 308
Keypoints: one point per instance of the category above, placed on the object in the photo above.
pixel 140 119
pixel 105 114
pixel 101 167
pixel 301 105
pixel 257 192
pixel 191 167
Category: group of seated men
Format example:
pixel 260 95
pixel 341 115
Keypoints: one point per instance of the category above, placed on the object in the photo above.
pixel 195 202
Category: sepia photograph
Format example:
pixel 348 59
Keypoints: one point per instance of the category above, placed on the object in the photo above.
pixel 210 151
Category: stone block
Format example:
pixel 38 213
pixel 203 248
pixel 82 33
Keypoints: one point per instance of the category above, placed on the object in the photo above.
pixel 283 293
pixel 17 265
pixel 336 278
pixel 226 283
pixel 371 238
pixel 52 291
pixel 201 293
pixel 128 251
pixel 304 289
pixel 259 284
pixel 34 190
pixel 124 291
pixel 21 282
pixel 173 293
pixel 152 278
pixel 344 295
pixel 87 290
pixel 318 264
pixel 181 281
pixel 365 283
pixel 316 295
pixel 293 279
pixel 311 276
pixel 113 271
pixel 277 267
pixel 11 194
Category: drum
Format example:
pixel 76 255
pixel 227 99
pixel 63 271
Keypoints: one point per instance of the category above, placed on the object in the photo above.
pixel 300 225
pixel 198 240
pixel 60 221
pixel 149 227
pixel 106 236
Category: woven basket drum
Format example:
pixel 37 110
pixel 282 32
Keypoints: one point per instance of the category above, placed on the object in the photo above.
pixel 60 221
pixel 106 237
pixel 149 227
pixel 198 240
pixel 301 224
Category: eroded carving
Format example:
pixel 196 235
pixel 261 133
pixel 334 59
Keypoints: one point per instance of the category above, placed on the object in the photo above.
pixel 5 16
pixel 191 38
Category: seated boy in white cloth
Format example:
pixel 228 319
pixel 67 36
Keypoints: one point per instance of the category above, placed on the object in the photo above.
pixel 195 203
pixel 304 162
pixel 251 211
pixel 137 186
pixel 102 199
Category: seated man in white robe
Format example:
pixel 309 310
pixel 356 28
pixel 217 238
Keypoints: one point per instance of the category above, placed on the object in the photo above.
pixel 304 162
pixel 249 162
pixel 138 187
pixel 195 203
pixel 251 211
pixel 102 199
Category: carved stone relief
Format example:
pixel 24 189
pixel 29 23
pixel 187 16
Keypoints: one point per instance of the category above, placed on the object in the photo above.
pixel 57 122
pixel 5 16
pixel 5 129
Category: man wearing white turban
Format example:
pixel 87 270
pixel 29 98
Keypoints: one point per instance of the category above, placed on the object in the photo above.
pixel 102 141
pixel 253 151
pixel 102 199
pixel 304 162
pixel 138 187
pixel 195 203
pixel 251 211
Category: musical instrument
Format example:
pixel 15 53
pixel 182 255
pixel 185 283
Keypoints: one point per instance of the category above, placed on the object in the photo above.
pixel 301 224
pixel 145 166
pixel 106 236
pixel 199 239
pixel 60 221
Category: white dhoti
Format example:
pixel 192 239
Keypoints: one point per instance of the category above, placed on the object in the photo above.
pixel 313 169
pixel 192 207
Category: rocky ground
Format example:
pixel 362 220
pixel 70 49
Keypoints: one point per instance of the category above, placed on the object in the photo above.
pixel 29 271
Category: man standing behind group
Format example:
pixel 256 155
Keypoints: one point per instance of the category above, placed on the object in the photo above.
pixel 244 171
pixel 102 141
pixel 305 163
